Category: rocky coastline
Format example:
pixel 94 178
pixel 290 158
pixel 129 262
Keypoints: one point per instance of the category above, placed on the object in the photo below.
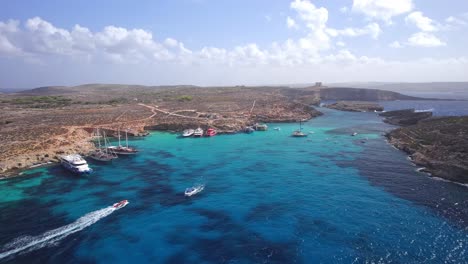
pixel 440 145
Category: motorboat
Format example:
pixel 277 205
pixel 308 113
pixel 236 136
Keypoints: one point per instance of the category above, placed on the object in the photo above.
pixel 198 132
pixel 188 132
pixel 249 129
pixel 354 134
pixel 120 204
pixel 277 128
pixel 261 127
pixel 194 190
pixel 211 132
pixel 75 163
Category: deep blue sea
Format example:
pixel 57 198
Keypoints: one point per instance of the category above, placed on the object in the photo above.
pixel 269 198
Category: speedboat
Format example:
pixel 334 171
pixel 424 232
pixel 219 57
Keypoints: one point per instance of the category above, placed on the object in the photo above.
pixel 198 132
pixel 211 132
pixel 75 163
pixel 354 134
pixel 194 190
pixel 188 132
pixel 120 204
pixel 277 128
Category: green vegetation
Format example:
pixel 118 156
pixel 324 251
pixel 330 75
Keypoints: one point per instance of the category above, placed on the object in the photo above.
pixel 184 98
pixel 41 101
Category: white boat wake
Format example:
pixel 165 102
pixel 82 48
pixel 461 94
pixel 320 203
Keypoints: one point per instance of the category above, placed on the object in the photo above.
pixel 27 243
pixel 424 110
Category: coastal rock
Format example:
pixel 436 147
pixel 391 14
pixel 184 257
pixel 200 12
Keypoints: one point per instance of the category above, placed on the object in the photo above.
pixel 405 117
pixel 355 106
pixel 438 144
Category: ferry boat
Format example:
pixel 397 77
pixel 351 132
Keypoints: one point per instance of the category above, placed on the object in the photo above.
pixel 211 132
pixel 120 204
pixel 188 132
pixel 194 190
pixel 198 132
pixel 75 163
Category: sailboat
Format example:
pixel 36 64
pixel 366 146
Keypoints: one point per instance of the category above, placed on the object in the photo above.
pixel 123 150
pixel 102 154
pixel 299 133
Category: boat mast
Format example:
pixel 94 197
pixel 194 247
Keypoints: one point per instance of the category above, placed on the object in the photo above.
pixel 126 137
pixel 119 137
pixel 99 138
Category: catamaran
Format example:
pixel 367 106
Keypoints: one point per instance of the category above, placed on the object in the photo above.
pixel 123 150
pixel 75 163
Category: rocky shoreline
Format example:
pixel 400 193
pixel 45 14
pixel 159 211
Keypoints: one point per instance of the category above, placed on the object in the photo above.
pixel 356 106
pixel 440 145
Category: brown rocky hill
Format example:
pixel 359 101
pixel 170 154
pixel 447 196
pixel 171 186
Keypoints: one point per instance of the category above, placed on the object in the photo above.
pixel 439 144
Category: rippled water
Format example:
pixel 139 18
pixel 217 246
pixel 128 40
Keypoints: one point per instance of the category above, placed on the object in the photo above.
pixel 269 198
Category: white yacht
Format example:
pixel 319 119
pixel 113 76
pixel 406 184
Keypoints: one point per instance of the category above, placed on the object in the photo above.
pixel 198 132
pixel 75 163
pixel 188 132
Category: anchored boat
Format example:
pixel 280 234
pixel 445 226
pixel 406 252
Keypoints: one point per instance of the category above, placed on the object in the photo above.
pixel 75 163
pixel 211 132
pixel 299 133
pixel 188 132
pixel 123 150
pixel 198 132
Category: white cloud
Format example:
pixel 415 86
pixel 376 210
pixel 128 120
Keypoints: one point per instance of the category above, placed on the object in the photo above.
pixel 268 18
pixel 344 9
pixel 372 29
pixel 395 45
pixel 291 23
pixel 170 42
pixel 340 44
pixel 422 22
pixel 382 9
pixel 424 39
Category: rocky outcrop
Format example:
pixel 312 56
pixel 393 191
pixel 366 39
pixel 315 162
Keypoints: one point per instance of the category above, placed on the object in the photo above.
pixel 438 144
pixel 353 106
pixel 405 117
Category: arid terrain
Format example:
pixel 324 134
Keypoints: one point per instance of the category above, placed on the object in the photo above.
pixel 39 124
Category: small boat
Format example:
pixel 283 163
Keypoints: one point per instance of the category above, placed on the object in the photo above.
pixel 75 163
pixel 249 129
pixel 198 132
pixel 277 128
pixel 188 132
pixel 354 134
pixel 299 133
pixel 120 204
pixel 211 132
pixel 260 127
pixel 194 190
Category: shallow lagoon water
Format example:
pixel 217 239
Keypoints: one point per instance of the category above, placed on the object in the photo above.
pixel 269 198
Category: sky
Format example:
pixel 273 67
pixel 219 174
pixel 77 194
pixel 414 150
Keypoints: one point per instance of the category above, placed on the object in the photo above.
pixel 223 42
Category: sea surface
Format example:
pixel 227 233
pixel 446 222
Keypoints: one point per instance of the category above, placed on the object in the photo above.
pixel 269 198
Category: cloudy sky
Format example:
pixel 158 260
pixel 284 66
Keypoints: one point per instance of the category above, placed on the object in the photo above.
pixel 223 42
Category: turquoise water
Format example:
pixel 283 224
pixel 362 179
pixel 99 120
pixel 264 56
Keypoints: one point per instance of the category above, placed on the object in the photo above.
pixel 269 198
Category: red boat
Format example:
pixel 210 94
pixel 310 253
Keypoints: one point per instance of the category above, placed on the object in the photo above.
pixel 120 204
pixel 210 132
